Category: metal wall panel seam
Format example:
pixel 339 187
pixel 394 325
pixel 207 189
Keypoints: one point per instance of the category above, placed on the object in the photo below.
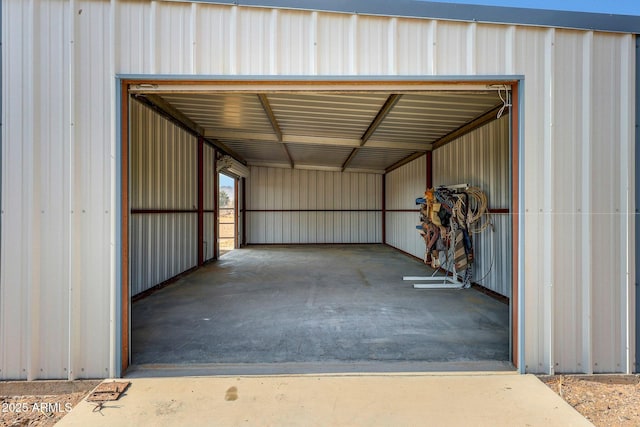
pixel 72 115
pixel 471 44
pixel 637 199
pixel 114 330
pixel 116 213
pixel 549 177
pixel 30 252
pixel 587 218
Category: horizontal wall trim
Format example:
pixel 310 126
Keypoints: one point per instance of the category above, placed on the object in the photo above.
pixel 311 244
pixel 491 211
pixel 313 210
pixel 164 211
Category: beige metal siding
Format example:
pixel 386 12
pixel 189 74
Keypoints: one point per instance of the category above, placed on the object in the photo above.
pixel 481 159
pixel 163 177
pixel 404 185
pixel 59 158
pixel 303 206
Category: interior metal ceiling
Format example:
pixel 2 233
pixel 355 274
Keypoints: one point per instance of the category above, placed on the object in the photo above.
pixel 330 131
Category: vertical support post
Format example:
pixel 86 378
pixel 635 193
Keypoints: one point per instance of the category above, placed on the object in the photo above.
pixel 200 201
pixel 429 157
pixel 384 209
pixel 515 220
pixel 244 211
pixel 124 203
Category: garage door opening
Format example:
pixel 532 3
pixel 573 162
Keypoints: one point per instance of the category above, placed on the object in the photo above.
pixel 325 217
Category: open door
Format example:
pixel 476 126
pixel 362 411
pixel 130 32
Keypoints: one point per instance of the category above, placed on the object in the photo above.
pixel 227 214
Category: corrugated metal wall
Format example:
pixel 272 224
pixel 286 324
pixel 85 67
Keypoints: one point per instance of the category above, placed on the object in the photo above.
pixel 209 192
pixel 59 158
pixel 164 180
pixel 404 185
pixel 305 206
pixel 481 159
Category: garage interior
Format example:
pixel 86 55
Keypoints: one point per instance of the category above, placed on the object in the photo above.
pixel 326 213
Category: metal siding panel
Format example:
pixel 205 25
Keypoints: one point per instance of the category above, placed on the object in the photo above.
pixel 491 49
pixel 606 245
pixel 481 159
pixel 215 40
pixel 414 47
pixel 209 178
pixel 171 38
pixel 374 45
pixel 91 276
pixel 335 45
pixel 453 51
pixel 295 45
pixel 404 185
pixel 163 165
pixel 50 356
pixel 255 47
pixel 530 61
pixel 163 246
pixel 17 189
pixel 314 190
pixel 134 37
pixel 571 287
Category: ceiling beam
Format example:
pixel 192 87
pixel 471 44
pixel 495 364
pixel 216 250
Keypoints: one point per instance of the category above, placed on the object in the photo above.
pixel 474 124
pixel 391 102
pixel 173 112
pixel 317 140
pixel 175 115
pixel 272 117
pixel 286 150
pixel 350 158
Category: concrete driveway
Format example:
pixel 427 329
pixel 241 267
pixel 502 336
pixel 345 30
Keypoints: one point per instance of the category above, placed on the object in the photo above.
pixel 407 399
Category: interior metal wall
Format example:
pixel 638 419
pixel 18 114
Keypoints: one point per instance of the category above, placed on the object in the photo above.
pixel 163 180
pixel 481 159
pixel 58 254
pixel 307 206
pixel 403 186
pixel 209 193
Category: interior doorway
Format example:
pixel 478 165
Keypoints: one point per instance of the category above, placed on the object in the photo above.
pixel 227 214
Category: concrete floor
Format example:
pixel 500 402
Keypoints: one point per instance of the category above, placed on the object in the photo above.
pixel 310 304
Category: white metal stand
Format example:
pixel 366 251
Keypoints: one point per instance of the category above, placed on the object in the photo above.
pixel 443 282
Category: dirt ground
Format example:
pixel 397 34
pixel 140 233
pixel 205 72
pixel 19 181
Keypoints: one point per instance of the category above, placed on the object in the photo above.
pixel 40 403
pixel 608 400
